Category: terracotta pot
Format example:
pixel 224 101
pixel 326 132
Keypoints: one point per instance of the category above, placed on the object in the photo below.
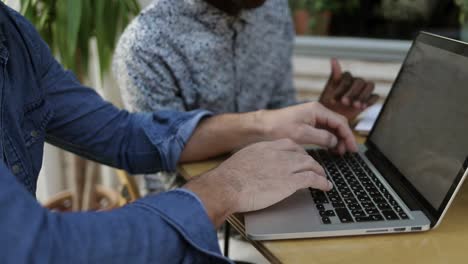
pixel 106 199
pixel 301 22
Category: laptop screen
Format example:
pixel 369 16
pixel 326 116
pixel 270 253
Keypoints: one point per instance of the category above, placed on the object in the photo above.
pixel 423 128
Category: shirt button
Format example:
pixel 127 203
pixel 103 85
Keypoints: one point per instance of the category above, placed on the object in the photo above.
pixel 15 169
pixel 34 133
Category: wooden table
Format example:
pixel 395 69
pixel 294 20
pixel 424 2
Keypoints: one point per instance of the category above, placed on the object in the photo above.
pixel 447 244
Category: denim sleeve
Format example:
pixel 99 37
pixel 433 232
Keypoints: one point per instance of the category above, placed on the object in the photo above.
pixel 169 228
pixel 85 124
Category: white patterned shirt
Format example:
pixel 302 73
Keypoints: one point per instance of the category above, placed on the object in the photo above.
pixel 186 54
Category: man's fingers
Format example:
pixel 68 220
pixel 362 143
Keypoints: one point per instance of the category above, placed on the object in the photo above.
pixel 320 137
pixel 343 86
pixel 336 71
pixel 372 99
pixel 328 95
pixel 308 179
pixel 366 92
pixel 307 163
pixel 287 145
pixel 353 93
pixel 341 148
pixel 339 124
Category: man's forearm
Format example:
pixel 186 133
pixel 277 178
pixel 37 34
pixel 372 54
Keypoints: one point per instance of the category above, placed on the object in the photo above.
pixel 309 123
pixel 222 134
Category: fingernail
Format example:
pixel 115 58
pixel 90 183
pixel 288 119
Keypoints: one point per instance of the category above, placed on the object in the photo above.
pixel 357 104
pixel 334 142
pixel 330 185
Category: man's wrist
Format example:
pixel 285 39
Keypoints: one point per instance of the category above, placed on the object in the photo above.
pixel 217 197
pixel 257 126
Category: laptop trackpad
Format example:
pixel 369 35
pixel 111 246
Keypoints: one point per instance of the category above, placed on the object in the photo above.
pixel 296 213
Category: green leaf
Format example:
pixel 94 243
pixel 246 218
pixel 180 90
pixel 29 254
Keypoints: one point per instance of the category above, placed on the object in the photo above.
pixel 68 26
pixel 73 22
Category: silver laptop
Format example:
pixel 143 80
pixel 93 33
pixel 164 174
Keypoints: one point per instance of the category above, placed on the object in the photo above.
pixel 408 172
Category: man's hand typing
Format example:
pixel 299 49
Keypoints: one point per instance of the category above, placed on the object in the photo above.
pixel 256 177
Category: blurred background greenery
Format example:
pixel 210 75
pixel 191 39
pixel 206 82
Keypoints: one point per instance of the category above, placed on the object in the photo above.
pixel 68 26
pixel 387 19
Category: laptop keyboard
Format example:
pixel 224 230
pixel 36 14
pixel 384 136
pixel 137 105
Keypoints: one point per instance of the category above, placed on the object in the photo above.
pixel 358 195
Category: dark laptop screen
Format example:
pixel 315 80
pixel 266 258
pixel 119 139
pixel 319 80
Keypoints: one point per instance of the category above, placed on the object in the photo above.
pixel 423 128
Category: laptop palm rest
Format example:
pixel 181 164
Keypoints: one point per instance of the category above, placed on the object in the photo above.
pixel 297 217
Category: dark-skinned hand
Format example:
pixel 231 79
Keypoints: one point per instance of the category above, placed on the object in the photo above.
pixel 347 95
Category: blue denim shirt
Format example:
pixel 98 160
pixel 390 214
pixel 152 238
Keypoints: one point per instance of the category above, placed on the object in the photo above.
pixel 40 101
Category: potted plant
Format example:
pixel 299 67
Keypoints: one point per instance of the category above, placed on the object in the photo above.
pixel 68 26
pixel 300 10
pixel 314 16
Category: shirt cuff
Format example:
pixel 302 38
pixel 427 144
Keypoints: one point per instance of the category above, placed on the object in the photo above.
pixel 170 131
pixel 184 211
pixel 185 131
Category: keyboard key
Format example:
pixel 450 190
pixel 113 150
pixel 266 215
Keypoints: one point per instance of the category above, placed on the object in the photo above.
pixel 377 217
pixel 338 204
pixel 363 198
pixel 320 207
pixel 372 211
pixel 379 200
pixel 356 188
pixel 321 201
pixel 344 215
pixel 330 213
pixel 365 219
pixel 344 189
pixel 403 215
pixel 335 199
pixel 357 213
pixel 393 202
pixel 390 215
pixel 326 220
pixel 360 193
pixel 347 195
pixel 369 218
pixel 383 206
pixel 369 206
pixel 354 206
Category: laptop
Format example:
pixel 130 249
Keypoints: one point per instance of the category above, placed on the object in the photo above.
pixel 406 175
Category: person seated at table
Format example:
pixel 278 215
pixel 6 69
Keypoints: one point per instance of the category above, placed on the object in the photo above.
pixel 41 101
pixel 223 56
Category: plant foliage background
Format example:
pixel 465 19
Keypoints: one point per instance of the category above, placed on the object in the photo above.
pixel 69 25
